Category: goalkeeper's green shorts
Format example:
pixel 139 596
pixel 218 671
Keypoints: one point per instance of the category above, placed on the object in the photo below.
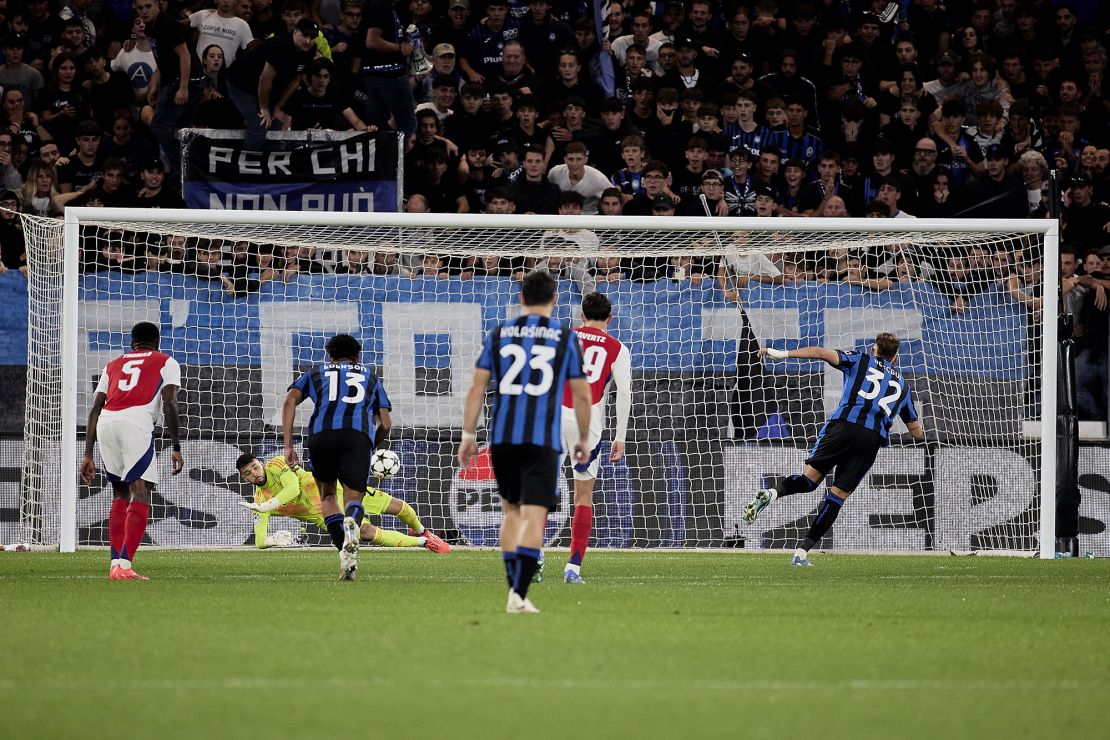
pixel 376 502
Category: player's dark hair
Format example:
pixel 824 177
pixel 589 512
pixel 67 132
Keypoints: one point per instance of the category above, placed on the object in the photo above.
pixel 537 289
pixel 245 459
pixel 886 345
pixel 596 307
pixel 144 332
pixel 343 347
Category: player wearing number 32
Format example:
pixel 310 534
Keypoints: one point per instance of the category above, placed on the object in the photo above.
pixel 340 438
pixel 131 391
pixel 530 360
pixel 604 359
pixel 874 393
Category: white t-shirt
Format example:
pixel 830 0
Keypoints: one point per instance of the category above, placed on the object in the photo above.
pixel 590 187
pixel 230 34
pixel 139 67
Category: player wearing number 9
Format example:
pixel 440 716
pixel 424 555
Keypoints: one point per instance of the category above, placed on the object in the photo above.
pixel 874 393
pixel 530 361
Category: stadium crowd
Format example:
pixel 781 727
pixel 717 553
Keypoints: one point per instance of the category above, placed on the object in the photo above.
pixel 795 108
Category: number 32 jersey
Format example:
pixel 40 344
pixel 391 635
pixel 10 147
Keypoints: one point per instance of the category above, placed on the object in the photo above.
pixel 874 393
pixel 605 358
pixel 133 384
pixel 530 360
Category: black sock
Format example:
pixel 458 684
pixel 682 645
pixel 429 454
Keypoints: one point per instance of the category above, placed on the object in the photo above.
pixel 826 515
pixel 356 512
pixel 527 559
pixel 794 484
pixel 510 566
pixel 334 523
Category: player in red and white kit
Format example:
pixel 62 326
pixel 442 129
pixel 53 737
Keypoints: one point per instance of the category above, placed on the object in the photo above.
pixel 132 390
pixel 604 358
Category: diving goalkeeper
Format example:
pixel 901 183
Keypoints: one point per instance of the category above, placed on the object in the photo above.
pixel 284 490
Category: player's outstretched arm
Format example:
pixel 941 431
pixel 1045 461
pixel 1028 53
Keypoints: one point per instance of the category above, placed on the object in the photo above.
pixel 172 421
pixel 288 414
pixel 474 398
pixel 580 389
pixel 802 353
pixel 88 467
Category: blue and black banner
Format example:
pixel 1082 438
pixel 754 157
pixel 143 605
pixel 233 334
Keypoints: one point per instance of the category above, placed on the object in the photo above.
pixel 358 174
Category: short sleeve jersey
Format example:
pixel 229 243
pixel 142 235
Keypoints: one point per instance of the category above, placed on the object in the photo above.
pixel 133 385
pixel 347 396
pixel 600 351
pixel 530 360
pixel 874 393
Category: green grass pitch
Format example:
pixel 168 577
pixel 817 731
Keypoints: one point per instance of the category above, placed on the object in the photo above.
pixel 685 644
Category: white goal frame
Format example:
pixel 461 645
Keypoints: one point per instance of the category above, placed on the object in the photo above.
pixel 75 218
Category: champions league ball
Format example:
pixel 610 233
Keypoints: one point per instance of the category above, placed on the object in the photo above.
pixel 385 464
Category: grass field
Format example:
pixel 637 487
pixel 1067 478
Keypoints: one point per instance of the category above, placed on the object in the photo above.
pixel 270 645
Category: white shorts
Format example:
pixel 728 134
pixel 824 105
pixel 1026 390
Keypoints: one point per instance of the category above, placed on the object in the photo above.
pixel 127 450
pixel 587 470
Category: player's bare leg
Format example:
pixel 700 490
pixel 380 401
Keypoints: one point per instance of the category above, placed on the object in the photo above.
pixel 827 512
pixel 529 521
pixel 807 482
pixel 580 526
pixel 134 527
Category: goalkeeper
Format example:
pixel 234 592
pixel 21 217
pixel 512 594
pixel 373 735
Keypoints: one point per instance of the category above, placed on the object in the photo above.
pixel 284 490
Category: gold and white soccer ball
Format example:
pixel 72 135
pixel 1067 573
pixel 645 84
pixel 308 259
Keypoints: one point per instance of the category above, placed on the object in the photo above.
pixel 385 464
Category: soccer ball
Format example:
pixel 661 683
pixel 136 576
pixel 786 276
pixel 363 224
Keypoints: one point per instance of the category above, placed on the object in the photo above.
pixel 385 464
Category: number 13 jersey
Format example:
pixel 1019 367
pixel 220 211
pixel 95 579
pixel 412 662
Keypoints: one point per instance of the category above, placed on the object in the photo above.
pixel 346 395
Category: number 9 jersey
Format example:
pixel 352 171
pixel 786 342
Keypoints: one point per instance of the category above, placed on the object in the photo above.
pixel 605 359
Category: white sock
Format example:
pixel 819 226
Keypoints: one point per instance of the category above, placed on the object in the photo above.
pixel 423 541
pixel 115 562
pixel 576 569
pixel 800 553
pixel 422 528
pixel 125 563
pixel 774 495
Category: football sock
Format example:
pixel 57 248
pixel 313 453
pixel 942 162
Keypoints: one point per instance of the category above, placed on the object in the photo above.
pixel 389 538
pixel 826 515
pixel 356 512
pixel 116 518
pixel 334 524
pixel 510 566
pixel 409 517
pixel 528 559
pixel 794 484
pixel 580 527
pixel 134 527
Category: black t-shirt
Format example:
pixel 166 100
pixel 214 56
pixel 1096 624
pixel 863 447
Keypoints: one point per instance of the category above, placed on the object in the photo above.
pixel 79 174
pixel 380 14
pixel 309 111
pixel 280 53
pixel 165 36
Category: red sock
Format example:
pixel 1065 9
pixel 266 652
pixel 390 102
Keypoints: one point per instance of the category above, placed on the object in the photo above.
pixel 116 518
pixel 580 527
pixel 137 515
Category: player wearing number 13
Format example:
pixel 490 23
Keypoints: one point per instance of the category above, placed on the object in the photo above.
pixel 341 435
pixel 874 393
pixel 530 360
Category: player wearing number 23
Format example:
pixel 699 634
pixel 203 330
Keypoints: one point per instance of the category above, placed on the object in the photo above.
pixel 874 394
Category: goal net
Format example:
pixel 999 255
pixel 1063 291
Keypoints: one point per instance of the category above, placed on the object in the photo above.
pixel 246 301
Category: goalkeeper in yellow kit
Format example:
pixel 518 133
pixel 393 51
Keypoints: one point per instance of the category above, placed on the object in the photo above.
pixel 284 490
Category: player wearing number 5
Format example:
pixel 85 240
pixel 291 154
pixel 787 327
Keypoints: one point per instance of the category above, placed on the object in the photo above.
pixel 340 438
pixel 530 360
pixel 132 390
pixel 874 393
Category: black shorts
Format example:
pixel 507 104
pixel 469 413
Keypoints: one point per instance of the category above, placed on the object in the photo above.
pixel 527 474
pixel 340 454
pixel 848 447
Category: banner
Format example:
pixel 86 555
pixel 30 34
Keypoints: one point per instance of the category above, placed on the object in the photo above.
pixel 357 174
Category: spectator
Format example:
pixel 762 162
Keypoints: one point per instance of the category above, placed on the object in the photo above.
pixel 788 83
pixel 713 189
pixel 177 87
pixel 132 150
pixel 136 60
pixel 444 92
pixel 739 188
pixel 265 76
pixel 799 141
pixel 320 103
pixel 611 202
pixel 569 83
pixel 13 251
pixel 889 194
pixel 481 56
pixel 344 40
pixel 1084 222
pixel 105 91
pixel 443 192
pixel 154 191
pixel 532 192
pixel 641 30
pixel 20 122
pixel 765 205
pixel 994 194
pixel 62 104
pixel 385 66
pixel 629 178
pixel 686 182
pixel 110 190
pixel 470 122
pixel 544 37
pixel 574 174
pixel 40 196
pixel 815 196
pixel 15 74
pixel 222 27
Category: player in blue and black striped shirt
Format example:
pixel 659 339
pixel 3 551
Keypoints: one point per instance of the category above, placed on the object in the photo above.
pixel 530 361
pixel 351 418
pixel 874 393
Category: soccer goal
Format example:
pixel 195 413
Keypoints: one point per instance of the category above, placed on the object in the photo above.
pixel 694 298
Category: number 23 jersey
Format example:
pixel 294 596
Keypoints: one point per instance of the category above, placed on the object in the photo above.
pixel 133 383
pixel 874 393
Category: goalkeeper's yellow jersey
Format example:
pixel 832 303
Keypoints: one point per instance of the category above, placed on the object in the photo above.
pixel 293 485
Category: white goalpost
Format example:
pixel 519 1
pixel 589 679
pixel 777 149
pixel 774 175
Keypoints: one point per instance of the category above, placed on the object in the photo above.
pixel 974 303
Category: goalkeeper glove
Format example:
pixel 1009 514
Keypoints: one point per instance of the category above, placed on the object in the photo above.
pixel 281 538
pixel 262 508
